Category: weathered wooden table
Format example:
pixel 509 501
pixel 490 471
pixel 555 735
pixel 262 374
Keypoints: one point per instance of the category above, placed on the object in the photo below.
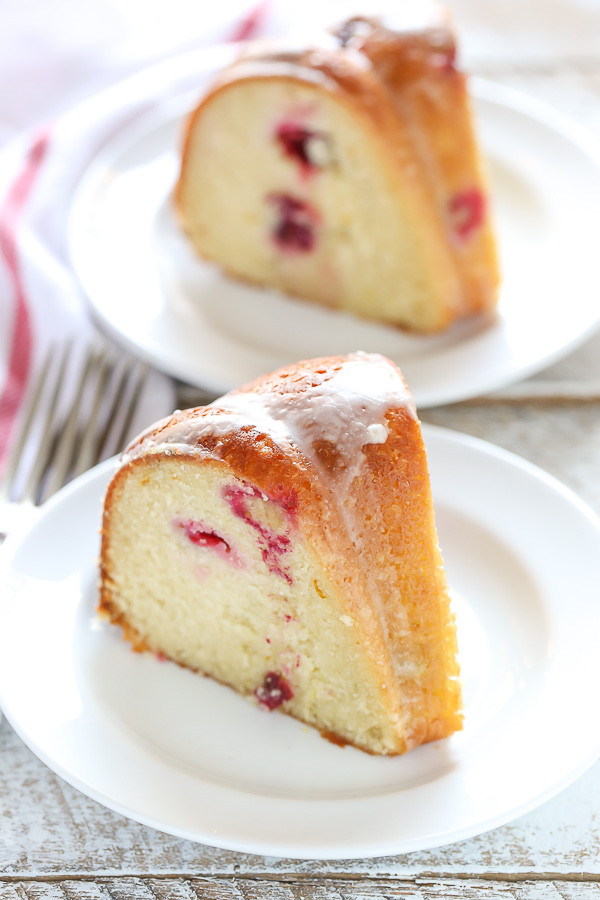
pixel 55 842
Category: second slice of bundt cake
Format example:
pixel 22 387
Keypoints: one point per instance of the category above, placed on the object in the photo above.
pixel 282 540
pixel 347 173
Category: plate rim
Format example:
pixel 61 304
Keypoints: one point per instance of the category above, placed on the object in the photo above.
pixel 432 433
pixel 482 90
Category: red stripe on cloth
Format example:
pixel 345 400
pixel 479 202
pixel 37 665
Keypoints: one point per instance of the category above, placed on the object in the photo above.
pixel 19 354
pixel 250 24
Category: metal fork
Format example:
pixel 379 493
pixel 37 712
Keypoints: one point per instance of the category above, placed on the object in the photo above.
pixel 68 442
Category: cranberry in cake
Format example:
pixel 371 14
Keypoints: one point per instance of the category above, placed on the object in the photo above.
pixel 282 541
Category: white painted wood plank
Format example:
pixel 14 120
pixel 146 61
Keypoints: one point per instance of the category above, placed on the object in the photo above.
pixel 305 889
pixel 49 828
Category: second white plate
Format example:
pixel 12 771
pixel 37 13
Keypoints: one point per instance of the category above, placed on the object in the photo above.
pixel 188 756
pixel 148 290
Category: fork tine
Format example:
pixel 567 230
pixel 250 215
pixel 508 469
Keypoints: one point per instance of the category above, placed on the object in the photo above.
pixel 119 392
pixel 44 451
pixel 33 402
pixel 141 377
pixel 87 453
pixel 64 448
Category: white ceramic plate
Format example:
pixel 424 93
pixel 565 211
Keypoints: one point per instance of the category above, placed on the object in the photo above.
pixel 148 290
pixel 190 757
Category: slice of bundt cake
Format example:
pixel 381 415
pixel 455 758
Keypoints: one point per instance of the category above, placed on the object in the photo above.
pixel 282 540
pixel 347 173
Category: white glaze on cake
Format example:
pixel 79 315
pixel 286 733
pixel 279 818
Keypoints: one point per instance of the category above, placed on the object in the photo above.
pixel 347 409
pixel 269 67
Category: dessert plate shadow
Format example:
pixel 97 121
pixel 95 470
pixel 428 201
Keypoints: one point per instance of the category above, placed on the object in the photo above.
pixel 148 290
pixel 189 757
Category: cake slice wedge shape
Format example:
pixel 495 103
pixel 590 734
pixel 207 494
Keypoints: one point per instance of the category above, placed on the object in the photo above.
pixel 282 540
pixel 347 172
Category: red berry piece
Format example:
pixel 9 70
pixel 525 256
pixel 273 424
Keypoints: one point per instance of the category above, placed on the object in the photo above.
pixel 310 149
pixel 272 545
pixel 201 536
pixel 467 212
pixel 294 229
pixel 274 690
pixel 294 140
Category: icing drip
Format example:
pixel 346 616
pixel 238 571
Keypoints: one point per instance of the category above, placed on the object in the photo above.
pixel 345 410
pixel 329 420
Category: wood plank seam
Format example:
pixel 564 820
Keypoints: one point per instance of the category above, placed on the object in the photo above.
pixel 306 878
pixel 254 889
